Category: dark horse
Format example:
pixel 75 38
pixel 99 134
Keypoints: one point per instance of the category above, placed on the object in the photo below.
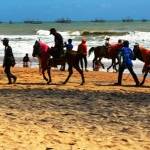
pixel 103 52
pixel 43 52
pixel 143 54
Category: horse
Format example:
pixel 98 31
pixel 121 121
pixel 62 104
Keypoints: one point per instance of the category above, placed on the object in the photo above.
pixel 143 55
pixel 44 53
pixel 103 52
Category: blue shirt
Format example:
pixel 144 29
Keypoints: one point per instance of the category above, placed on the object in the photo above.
pixel 69 47
pixel 127 56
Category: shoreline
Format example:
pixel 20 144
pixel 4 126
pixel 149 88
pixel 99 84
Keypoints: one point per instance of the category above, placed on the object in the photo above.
pixel 94 80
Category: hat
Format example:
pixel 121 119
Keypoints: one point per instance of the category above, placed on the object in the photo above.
pixel 5 39
pixel 52 30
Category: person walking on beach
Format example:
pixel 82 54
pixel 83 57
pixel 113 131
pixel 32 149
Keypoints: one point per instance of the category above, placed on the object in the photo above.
pixel 26 60
pixel 9 61
pixel 82 49
pixel 127 56
pixel 57 50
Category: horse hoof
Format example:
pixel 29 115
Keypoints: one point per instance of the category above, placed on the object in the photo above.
pixel 48 82
pixel 141 84
pixel 46 79
pixel 64 82
pixel 82 83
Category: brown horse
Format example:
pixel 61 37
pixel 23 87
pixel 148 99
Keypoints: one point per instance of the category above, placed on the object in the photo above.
pixel 43 52
pixel 143 54
pixel 103 52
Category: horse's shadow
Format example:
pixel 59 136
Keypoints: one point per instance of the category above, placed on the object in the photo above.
pixel 29 83
pixel 43 84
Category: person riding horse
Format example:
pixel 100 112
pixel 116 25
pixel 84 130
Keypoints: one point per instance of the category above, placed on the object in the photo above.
pixel 57 50
pixel 110 53
pixel 107 44
pixel 43 52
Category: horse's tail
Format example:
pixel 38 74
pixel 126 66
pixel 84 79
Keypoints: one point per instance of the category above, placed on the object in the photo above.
pixel 91 50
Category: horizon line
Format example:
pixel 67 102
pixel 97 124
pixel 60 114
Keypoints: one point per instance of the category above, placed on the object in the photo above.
pixel 84 20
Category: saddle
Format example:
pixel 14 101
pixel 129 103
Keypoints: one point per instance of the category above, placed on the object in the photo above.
pixel 53 62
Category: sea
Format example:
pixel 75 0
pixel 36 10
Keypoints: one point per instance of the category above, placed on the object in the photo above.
pixel 22 36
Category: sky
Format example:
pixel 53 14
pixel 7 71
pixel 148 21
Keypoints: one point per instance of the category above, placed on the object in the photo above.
pixel 50 10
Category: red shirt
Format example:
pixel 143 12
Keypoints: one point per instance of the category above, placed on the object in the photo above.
pixel 83 48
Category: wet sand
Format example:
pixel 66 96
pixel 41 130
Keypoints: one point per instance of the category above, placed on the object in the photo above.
pixel 95 116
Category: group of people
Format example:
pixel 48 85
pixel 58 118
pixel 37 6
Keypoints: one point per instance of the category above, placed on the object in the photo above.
pixel 59 45
pixel 126 56
pixel 58 50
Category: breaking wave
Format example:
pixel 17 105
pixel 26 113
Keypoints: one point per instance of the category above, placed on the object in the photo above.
pixel 100 33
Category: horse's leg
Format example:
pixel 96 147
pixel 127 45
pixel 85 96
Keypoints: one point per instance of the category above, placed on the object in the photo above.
pixel 115 64
pixel 101 63
pixel 144 77
pixel 110 65
pixel 62 68
pixel 70 73
pixel 94 60
pixel 81 73
pixel 43 72
pixel 49 75
pixel 81 62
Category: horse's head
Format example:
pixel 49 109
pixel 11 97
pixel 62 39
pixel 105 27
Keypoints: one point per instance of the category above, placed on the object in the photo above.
pixel 137 52
pixel 36 49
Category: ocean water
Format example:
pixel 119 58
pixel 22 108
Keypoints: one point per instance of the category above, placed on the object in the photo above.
pixel 23 36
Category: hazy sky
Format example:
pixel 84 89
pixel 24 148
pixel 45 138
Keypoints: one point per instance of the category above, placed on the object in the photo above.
pixel 20 10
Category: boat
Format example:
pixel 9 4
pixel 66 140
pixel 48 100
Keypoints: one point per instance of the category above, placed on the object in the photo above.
pixel 10 22
pixel 33 22
pixel 144 20
pixel 128 19
pixel 98 20
pixel 63 20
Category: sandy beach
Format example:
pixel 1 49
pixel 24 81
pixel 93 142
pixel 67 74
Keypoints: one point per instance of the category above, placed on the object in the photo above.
pixel 95 116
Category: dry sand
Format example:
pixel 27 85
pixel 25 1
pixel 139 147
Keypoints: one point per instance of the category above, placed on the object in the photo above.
pixel 95 116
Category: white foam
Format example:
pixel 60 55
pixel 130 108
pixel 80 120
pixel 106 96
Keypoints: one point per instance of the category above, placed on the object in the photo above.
pixel 76 33
pixel 43 32
pixel 22 44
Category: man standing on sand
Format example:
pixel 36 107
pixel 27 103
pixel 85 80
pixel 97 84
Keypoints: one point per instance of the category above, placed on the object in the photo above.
pixel 57 50
pixel 82 49
pixel 9 61
pixel 127 57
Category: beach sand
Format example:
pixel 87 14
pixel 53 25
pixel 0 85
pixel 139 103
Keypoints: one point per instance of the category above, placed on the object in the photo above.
pixel 95 116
